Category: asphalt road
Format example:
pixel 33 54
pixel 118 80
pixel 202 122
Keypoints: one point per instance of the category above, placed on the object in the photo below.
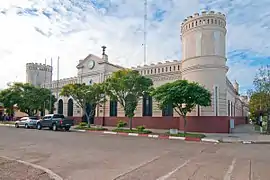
pixel 90 156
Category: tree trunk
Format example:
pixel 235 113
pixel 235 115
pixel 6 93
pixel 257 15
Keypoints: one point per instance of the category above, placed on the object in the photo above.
pixel 185 124
pixel 130 123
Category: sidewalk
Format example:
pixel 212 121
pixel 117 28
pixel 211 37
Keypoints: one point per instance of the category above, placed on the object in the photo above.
pixel 13 170
pixel 245 134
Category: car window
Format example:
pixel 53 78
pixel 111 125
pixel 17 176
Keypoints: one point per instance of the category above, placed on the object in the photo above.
pixel 58 116
pixel 46 117
pixel 33 118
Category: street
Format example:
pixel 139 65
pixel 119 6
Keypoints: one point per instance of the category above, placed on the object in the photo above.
pixel 91 156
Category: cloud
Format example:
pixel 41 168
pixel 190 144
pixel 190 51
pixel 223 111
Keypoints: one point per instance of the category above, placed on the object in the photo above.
pixel 35 30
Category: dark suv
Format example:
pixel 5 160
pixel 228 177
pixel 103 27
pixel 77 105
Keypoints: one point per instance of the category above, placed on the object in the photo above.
pixel 54 122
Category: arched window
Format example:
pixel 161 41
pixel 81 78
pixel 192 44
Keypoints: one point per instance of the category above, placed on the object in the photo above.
pixel 60 107
pixel 113 108
pixel 168 111
pixel 70 107
pixel 147 105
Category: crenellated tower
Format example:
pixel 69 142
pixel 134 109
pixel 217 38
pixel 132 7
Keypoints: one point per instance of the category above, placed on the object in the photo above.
pixel 38 74
pixel 204 56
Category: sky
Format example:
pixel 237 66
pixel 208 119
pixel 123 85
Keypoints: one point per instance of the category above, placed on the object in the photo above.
pixel 35 30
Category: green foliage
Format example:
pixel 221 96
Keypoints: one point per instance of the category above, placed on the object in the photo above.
pixel 140 128
pixel 259 103
pixel 26 97
pixel 182 95
pixel 126 87
pixel 132 131
pixel 85 94
pixel 121 124
pixel 260 96
pixel 82 124
pixel 193 135
pixel 262 80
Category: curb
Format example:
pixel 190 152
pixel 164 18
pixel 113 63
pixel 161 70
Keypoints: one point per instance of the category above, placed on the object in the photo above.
pixel 155 136
pixel 51 174
pixel 9 125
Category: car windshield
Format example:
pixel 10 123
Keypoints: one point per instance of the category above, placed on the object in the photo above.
pixel 58 116
pixel 33 118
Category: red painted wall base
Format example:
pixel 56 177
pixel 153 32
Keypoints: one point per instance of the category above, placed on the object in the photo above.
pixel 205 124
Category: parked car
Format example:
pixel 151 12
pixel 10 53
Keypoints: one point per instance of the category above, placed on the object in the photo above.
pixel 54 122
pixel 27 122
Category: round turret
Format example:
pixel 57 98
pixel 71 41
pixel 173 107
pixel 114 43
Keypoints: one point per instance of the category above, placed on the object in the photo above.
pixel 203 55
pixel 37 74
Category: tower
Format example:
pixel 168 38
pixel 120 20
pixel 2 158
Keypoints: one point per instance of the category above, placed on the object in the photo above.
pixel 203 56
pixel 38 74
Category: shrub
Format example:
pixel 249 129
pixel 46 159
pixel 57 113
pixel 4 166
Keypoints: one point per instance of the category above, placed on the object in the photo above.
pixel 140 128
pixel 83 124
pixel 121 124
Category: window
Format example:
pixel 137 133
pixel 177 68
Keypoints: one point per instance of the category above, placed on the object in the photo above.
pixel 174 68
pixel 166 69
pixel 168 111
pixel 70 107
pixel 229 108
pixel 60 107
pixel 178 67
pixel 216 92
pixel 147 105
pixel 58 116
pixel 158 70
pixel 198 110
pixel 170 68
pixel 113 108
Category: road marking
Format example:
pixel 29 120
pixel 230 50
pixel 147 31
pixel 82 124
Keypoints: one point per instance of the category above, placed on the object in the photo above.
pixel 175 137
pixel 172 172
pixel 230 170
pixel 51 174
pixel 139 166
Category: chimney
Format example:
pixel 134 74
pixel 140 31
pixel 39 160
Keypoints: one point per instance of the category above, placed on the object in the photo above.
pixel 236 86
pixel 104 55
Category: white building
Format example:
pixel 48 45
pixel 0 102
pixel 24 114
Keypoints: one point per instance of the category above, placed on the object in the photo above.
pixel 203 60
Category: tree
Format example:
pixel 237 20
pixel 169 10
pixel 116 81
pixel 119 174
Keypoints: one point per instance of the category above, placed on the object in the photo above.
pixel 183 96
pixel 85 95
pixel 126 87
pixel 259 101
pixel 28 98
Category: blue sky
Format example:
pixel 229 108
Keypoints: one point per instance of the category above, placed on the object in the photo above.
pixel 32 30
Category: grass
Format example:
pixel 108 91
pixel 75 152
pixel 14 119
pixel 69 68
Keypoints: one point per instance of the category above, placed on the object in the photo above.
pixel 192 135
pixel 91 128
pixel 132 131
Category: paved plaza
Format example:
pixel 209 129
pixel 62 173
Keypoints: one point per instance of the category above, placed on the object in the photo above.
pixel 90 156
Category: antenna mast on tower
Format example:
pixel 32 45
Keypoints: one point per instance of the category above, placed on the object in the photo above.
pixel 145 32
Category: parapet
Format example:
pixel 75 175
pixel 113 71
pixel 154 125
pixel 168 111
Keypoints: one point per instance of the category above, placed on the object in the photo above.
pixel 205 18
pixel 38 66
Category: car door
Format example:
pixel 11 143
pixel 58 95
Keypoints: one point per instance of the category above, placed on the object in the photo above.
pixel 46 121
pixel 22 121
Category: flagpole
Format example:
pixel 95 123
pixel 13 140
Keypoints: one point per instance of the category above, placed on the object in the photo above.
pixel 51 86
pixel 57 86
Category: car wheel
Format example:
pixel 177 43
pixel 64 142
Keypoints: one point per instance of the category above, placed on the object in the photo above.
pixel 39 127
pixel 67 128
pixel 17 125
pixel 54 127
pixel 26 126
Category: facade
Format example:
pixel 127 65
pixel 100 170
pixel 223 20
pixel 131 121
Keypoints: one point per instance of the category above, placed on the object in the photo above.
pixel 203 60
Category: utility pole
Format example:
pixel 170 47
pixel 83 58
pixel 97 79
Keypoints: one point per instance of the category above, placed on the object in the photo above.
pixel 145 32
pixel 51 86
